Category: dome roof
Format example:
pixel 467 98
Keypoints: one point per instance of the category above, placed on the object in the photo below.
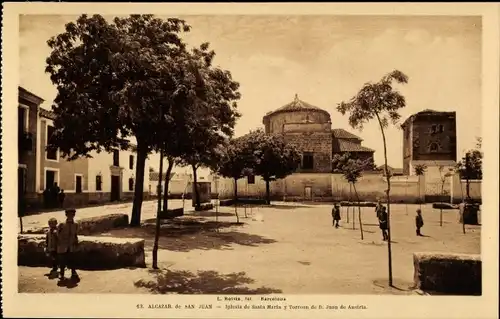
pixel 297 105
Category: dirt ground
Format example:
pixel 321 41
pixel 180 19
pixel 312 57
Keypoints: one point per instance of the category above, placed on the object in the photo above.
pixel 286 248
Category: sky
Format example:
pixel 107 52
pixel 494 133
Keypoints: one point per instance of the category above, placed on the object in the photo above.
pixel 322 59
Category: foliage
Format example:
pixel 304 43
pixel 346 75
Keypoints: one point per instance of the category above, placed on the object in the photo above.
pixel 236 160
pixel 273 158
pixel 420 169
pixel 339 161
pixel 475 163
pixel 379 101
pixel 376 100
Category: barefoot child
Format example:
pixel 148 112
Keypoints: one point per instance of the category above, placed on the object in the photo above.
pixel 67 244
pixel 419 221
pixel 51 244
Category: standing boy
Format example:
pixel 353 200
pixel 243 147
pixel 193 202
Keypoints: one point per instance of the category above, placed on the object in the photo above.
pixel 336 215
pixel 68 242
pixel 51 244
pixel 382 220
pixel 419 221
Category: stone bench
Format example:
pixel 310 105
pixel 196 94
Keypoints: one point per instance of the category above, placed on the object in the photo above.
pixel 204 207
pixel 92 225
pixel 171 213
pixel 93 252
pixel 446 273
pixel 361 204
pixel 444 206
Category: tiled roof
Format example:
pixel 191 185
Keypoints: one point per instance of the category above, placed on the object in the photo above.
pixel 297 105
pixel 153 176
pixel 47 114
pixel 348 146
pixel 341 133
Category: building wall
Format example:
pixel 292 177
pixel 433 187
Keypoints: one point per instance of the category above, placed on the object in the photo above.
pixel 407 148
pixel 446 140
pixel 318 143
pixel 278 120
pixel 459 189
pixel 28 158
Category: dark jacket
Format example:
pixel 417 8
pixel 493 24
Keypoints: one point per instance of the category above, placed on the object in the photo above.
pixel 382 220
pixel 336 213
pixel 419 221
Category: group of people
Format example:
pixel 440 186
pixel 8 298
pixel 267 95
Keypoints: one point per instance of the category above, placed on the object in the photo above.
pixel 382 217
pixel 61 244
pixel 53 197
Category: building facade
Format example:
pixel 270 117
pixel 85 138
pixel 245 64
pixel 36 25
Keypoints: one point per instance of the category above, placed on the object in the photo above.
pixel 429 137
pixel 309 128
pixel 104 177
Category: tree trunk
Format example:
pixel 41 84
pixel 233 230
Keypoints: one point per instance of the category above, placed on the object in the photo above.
pixel 236 212
pixel 441 210
pixel 359 210
pixel 196 193
pixel 389 252
pixel 158 211
pixel 268 193
pixel 21 223
pixel 167 181
pixel 135 220
pixel 406 194
pixel 353 209
pixel 419 199
pixel 235 190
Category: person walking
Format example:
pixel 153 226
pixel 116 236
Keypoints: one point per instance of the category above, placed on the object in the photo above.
pixel 382 220
pixel 336 215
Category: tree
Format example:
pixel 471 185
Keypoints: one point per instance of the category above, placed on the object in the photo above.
pixel 352 169
pixel 273 157
pixel 382 102
pixel 111 80
pixel 419 171
pixel 236 162
pixel 470 167
pixel 443 177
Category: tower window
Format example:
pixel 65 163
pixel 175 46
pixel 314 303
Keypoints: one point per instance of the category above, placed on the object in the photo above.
pixel 307 161
pixel 433 147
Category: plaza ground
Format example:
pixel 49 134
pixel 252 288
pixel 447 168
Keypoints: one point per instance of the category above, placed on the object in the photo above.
pixel 286 248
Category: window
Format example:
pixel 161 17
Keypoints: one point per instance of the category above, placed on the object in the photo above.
pixel 22 116
pixel 50 178
pixel 251 179
pixel 433 147
pixel 440 128
pixel 98 183
pixel 51 153
pixel 78 183
pixel 307 161
pixel 131 162
pixel 116 158
pixel 130 184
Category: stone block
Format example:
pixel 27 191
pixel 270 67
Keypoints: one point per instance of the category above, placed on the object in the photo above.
pixel 172 213
pixel 204 207
pixel 361 204
pixel 93 225
pixel 94 253
pixel 447 273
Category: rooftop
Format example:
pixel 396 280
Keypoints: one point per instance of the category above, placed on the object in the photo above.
pixel 426 112
pixel 47 114
pixel 341 133
pixel 297 105
pixel 348 146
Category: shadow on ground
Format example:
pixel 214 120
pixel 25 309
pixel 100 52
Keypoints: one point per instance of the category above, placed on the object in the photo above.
pixel 184 235
pixel 204 282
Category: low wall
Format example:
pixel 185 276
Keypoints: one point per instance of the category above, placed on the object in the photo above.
pixel 94 253
pixel 93 225
pixel 454 274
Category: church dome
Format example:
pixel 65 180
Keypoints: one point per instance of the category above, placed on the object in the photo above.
pixel 297 105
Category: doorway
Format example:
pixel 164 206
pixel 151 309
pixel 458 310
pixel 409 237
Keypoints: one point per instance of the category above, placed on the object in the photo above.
pixel 115 188
pixel 308 193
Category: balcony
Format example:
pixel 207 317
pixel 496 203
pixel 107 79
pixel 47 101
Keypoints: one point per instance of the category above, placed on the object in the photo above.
pixel 25 142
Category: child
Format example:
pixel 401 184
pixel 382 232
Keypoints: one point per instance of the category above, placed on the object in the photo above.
pixel 336 215
pixel 419 221
pixel 51 244
pixel 378 208
pixel 382 220
pixel 67 243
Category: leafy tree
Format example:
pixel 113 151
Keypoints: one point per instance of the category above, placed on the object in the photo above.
pixel 419 171
pixel 273 157
pixel 475 162
pixel 380 101
pixel 352 169
pixel 111 79
pixel 236 162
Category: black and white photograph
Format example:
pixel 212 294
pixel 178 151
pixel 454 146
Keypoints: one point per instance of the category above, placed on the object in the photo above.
pixel 250 163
